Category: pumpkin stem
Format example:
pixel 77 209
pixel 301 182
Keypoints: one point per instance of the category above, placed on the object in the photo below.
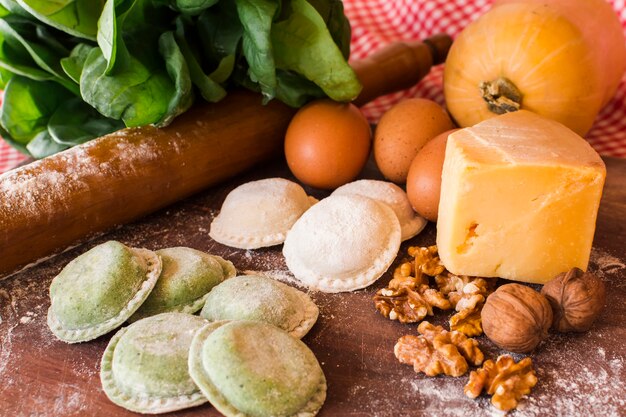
pixel 501 95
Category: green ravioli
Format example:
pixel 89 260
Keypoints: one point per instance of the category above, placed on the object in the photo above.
pixel 254 369
pixel 259 298
pixel 186 279
pixel 99 290
pixel 144 367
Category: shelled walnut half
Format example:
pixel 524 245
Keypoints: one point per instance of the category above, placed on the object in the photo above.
pixel 408 297
pixel 436 351
pixel 467 295
pixel 407 305
pixel 504 379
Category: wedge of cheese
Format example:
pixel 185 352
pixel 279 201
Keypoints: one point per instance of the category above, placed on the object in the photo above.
pixel 519 199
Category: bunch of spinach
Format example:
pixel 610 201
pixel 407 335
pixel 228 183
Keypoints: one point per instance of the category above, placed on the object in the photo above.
pixel 73 70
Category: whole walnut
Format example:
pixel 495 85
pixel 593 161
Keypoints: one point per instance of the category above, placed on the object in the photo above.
pixel 516 318
pixel 577 298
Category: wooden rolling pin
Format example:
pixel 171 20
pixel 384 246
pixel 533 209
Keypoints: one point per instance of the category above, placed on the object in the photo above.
pixel 52 203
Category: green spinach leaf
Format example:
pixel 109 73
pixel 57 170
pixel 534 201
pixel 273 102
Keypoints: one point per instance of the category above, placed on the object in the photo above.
pixel 8 139
pixel 28 105
pixel 178 71
pixel 58 43
pixel 73 64
pixel 12 7
pixel 15 58
pixel 294 90
pixel 192 7
pixel 76 17
pixel 149 56
pixel 139 93
pixel 75 122
pixel 256 17
pixel 20 54
pixel 42 145
pixel 219 31
pixel 209 85
pixel 107 35
pixel 336 21
pixel 303 44
pixel 141 87
pixel 5 76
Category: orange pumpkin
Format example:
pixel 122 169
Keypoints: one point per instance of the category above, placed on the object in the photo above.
pixel 558 59
pixel 598 22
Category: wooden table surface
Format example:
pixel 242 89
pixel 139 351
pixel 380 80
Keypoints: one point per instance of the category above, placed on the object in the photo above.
pixel 578 374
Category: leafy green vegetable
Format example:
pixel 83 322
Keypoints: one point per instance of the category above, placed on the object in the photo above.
pixel 143 18
pixel 178 71
pixel 209 85
pixel 107 34
pixel 78 69
pixel 134 83
pixel 191 7
pixel 8 139
pixel 23 54
pixel 75 122
pixel 219 31
pixel 15 58
pixel 256 17
pixel 73 64
pixel 43 145
pixel 46 36
pixel 76 17
pixel 5 76
pixel 12 7
pixel 303 44
pixel 28 105
pixel 295 90
pixel 138 94
pixel 41 118
pixel 337 22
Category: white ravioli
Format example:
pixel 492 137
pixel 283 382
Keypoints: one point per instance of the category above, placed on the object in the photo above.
pixel 343 243
pixel 259 213
pixel 392 195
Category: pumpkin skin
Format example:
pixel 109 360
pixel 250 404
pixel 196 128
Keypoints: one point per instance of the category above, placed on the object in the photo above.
pixel 599 24
pixel 536 48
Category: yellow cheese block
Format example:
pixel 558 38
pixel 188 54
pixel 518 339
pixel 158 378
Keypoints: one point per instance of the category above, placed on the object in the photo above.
pixel 519 199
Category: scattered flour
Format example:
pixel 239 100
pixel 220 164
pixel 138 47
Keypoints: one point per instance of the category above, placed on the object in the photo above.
pixel 279 275
pixel 603 263
pixel 41 260
pixel 28 317
pixel 591 377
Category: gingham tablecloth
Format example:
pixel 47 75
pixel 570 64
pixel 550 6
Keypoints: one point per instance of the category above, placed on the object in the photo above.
pixel 378 22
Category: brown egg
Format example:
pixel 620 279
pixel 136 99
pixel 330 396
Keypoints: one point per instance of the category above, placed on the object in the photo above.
pixel 402 132
pixel 423 184
pixel 327 143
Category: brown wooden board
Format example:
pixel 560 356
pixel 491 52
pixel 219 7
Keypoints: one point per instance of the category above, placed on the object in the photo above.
pixel 578 374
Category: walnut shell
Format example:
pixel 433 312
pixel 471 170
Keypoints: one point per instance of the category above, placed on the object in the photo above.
pixel 516 318
pixel 577 298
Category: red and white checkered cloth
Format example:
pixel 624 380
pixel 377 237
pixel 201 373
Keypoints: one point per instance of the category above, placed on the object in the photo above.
pixel 376 23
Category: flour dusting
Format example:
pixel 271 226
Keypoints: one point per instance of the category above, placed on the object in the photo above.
pixel 578 375
pixel 28 317
pixel 603 263
pixel 279 275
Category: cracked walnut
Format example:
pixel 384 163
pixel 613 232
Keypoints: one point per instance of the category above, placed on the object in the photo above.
pixel 504 379
pixel 436 351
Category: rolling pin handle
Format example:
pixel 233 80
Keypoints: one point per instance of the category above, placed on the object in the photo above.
pixel 439 46
pixel 398 66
